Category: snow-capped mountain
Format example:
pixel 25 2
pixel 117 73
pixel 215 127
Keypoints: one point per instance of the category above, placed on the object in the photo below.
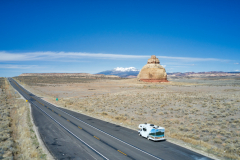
pixel 121 69
pixel 122 72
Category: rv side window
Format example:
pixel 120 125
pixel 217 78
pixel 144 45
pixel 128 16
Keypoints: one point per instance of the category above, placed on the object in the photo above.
pixel 144 129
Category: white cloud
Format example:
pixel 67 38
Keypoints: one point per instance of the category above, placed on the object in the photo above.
pixel 10 66
pixel 164 66
pixel 237 70
pixel 236 63
pixel 11 57
pixel 67 56
pixel 191 59
pixel 46 56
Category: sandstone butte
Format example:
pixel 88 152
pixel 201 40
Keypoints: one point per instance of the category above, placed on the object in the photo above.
pixel 153 71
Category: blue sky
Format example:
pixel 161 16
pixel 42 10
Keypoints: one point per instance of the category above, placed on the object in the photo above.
pixel 94 36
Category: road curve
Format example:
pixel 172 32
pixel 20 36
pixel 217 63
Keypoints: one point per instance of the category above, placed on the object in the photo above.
pixel 97 139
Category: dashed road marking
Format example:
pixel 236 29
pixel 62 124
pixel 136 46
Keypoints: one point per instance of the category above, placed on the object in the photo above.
pixel 96 137
pixel 122 152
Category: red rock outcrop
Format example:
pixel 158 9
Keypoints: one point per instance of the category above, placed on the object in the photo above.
pixel 153 71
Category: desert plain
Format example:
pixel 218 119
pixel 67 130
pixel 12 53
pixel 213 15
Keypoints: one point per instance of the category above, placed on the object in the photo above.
pixel 200 112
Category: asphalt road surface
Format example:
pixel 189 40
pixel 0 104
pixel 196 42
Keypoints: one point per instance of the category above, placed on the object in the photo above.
pixel 71 135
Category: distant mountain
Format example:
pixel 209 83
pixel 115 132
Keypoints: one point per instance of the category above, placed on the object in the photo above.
pixel 82 75
pixel 130 72
pixel 203 74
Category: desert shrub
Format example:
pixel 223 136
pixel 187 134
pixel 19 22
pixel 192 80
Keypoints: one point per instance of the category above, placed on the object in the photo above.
pixel 120 118
pixel 228 141
pixel 104 113
pixel 205 139
pixel 161 113
pixel 196 137
pixel 218 140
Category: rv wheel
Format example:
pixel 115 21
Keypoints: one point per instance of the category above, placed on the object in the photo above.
pixel 148 138
pixel 139 134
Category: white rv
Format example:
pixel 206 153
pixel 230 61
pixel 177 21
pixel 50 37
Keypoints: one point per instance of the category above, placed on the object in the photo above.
pixel 151 132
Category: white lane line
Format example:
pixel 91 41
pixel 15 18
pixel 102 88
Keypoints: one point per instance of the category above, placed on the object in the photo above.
pixel 108 134
pixel 70 131
pixel 104 132
pixel 73 133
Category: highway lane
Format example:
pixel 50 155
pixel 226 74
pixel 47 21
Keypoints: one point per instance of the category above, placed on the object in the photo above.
pixel 105 145
pixel 112 141
pixel 59 142
pixel 164 149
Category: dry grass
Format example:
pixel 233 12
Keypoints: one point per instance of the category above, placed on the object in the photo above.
pixel 6 140
pixel 18 140
pixel 207 116
pixel 26 140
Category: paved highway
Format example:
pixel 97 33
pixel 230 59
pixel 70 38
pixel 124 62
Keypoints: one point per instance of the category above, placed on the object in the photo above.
pixel 84 137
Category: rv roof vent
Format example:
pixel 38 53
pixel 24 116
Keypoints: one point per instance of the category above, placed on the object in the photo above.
pixel 151 124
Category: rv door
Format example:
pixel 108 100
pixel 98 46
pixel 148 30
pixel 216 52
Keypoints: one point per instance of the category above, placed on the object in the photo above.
pixel 144 132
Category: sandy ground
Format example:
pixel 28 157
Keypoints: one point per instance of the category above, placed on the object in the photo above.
pixel 202 113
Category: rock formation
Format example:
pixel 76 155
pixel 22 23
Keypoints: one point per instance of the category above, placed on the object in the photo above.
pixel 153 71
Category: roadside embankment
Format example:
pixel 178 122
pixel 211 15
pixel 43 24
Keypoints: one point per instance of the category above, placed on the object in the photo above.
pixel 18 139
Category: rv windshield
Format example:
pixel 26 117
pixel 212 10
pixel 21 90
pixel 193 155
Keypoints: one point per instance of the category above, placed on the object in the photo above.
pixel 157 132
